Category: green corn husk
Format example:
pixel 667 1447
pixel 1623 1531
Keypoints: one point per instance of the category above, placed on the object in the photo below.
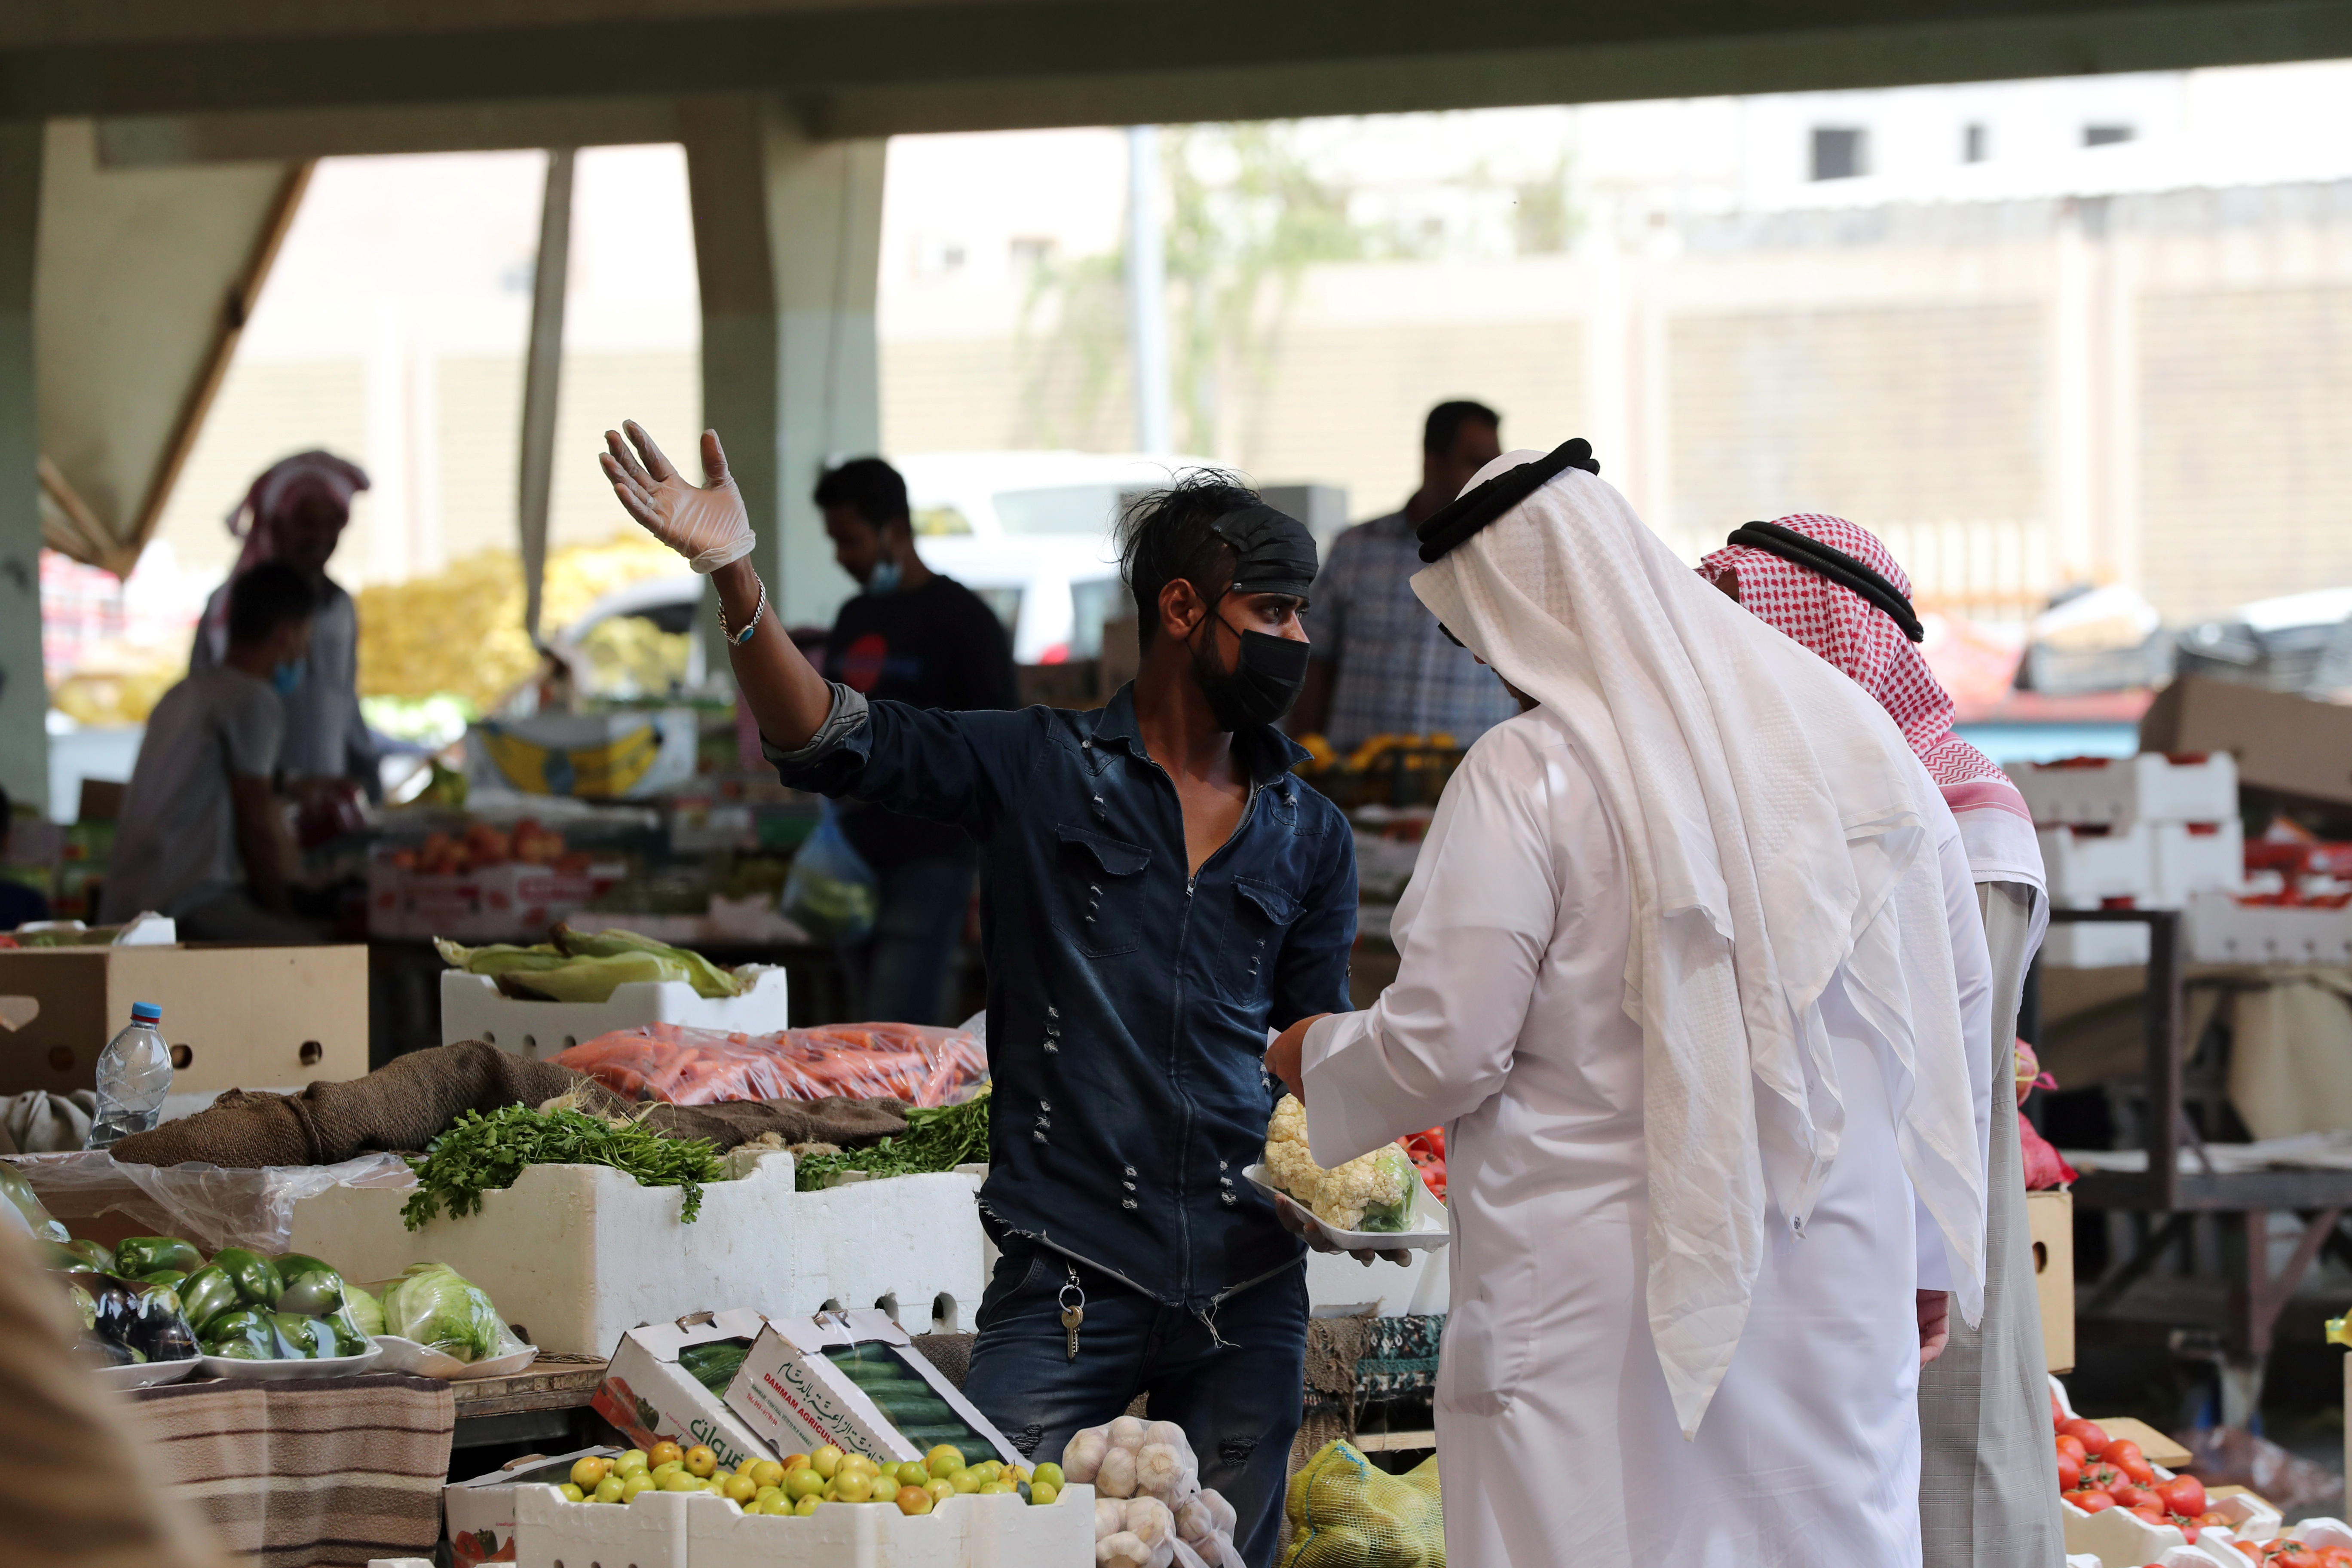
pixel 707 978
pixel 592 979
pixel 498 958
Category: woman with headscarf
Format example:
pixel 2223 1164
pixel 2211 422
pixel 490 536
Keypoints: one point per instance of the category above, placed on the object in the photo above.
pixel 1985 1497
pixel 295 512
pixel 1681 970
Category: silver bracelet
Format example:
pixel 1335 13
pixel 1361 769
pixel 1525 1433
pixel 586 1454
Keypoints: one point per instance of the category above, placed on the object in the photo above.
pixel 739 638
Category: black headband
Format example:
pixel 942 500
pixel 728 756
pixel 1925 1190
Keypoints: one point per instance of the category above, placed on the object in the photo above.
pixel 1276 553
pixel 1469 512
pixel 1827 561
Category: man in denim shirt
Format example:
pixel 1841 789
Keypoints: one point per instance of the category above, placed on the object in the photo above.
pixel 1158 889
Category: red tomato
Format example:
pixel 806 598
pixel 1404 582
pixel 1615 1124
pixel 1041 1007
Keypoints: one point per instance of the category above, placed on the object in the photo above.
pixel 2070 1444
pixel 2093 1440
pixel 2070 1473
pixel 2129 1496
pixel 2098 1476
pixel 2295 1556
pixel 2188 1529
pixel 2125 1455
pixel 2150 1514
pixel 2057 1411
pixel 2090 1502
pixel 2183 1494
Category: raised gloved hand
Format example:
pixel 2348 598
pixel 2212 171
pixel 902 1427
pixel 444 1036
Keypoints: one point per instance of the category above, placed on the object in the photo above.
pixel 708 526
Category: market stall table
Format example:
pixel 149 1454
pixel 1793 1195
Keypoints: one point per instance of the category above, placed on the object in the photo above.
pixel 548 1400
pixel 306 1470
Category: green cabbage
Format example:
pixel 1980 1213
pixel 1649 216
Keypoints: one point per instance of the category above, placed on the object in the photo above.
pixel 436 1307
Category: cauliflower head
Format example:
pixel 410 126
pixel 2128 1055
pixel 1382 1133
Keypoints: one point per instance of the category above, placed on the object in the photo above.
pixel 1372 1193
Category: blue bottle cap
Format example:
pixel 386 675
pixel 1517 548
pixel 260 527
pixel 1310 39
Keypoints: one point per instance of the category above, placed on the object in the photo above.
pixel 145 1013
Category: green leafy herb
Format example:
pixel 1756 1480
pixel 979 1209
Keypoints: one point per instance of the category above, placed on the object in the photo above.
pixel 939 1138
pixel 480 1153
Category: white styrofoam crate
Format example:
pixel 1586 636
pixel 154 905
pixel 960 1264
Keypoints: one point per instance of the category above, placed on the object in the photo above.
pixel 2189 857
pixel 2119 791
pixel 2088 867
pixel 1336 1281
pixel 650 1532
pixel 969 1532
pixel 580 1254
pixel 472 1008
pixel 2223 930
pixel 2102 946
pixel 2114 1536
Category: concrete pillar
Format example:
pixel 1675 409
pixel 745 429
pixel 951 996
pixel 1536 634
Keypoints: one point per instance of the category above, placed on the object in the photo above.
pixel 24 694
pixel 787 233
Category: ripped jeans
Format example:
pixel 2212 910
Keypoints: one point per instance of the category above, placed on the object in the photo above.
pixel 1239 1402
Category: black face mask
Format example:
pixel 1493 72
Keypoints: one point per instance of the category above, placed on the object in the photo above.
pixel 1261 687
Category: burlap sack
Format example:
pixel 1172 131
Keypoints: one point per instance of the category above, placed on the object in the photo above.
pixel 404 1104
pixel 400 1106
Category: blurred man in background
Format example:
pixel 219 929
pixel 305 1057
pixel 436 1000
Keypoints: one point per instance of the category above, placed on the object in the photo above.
pixel 295 513
pixel 1380 665
pixel 199 837
pixel 916 638
pixel 19 902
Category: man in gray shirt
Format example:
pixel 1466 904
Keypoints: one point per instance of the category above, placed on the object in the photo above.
pixel 196 839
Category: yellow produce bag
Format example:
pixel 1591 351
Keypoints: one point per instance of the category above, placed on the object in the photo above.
pixel 1345 1513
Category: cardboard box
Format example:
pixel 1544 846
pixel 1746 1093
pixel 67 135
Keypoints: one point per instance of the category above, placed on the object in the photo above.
pixel 235 1017
pixel 648 1394
pixel 2049 1221
pixel 797 1390
pixel 2284 744
pixel 480 1513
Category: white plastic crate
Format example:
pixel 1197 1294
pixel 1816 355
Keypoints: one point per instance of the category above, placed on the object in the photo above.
pixel 650 1532
pixel 2090 867
pixel 2223 930
pixel 472 1008
pixel 968 1532
pixel 2120 791
pixel 2102 946
pixel 2189 857
pixel 580 1254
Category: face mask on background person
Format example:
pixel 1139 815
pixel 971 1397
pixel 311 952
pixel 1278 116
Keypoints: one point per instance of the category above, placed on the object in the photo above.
pixel 1263 683
pixel 287 677
pixel 885 577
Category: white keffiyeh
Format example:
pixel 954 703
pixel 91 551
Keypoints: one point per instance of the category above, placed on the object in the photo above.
pixel 1777 827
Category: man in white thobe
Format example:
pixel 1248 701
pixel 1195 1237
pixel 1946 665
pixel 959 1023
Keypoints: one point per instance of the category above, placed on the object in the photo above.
pixel 1688 968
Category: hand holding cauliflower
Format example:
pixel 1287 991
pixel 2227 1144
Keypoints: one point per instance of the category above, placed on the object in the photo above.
pixel 1372 1193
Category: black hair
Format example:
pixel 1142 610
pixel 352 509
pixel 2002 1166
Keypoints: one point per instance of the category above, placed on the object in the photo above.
pixel 1445 422
pixel 1164 535
pixel 265 598
pixel 868 486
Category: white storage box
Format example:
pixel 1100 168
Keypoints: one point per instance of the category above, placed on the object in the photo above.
pixel 473 1008
pixel 2113 1535
pixel 580 1254
pixel 2120 791
pixel 650 1532
pixel 2091 866
pixel 479 1514
pixel 969 1532
pixel 2223 930
pixel 2189 857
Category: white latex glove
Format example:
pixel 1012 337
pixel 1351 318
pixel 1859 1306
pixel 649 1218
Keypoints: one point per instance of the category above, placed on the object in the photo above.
pixel 708 526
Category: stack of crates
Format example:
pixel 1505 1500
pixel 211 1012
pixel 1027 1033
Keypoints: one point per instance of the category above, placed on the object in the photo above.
pixel 2141 832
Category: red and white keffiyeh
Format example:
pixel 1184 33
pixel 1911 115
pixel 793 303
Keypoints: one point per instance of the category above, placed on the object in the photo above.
pixel 1857 636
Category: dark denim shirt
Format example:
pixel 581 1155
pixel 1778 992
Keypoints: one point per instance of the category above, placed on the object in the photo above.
pixel 1128 1001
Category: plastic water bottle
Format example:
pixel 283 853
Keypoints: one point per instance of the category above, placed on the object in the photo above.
pixel 135 1074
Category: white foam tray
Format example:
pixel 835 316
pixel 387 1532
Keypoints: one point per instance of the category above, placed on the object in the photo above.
pixel 580 1254
pixel 2115 1536
pixel 472 1008
pixel 1430 1229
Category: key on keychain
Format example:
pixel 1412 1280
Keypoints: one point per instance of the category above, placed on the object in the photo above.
pixel 1073 1314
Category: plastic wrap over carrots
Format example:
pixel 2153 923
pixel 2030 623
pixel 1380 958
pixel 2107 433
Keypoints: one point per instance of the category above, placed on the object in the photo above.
pixel 909 1062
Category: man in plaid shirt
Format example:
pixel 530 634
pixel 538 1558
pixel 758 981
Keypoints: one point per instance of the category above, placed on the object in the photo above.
pixel 1380 666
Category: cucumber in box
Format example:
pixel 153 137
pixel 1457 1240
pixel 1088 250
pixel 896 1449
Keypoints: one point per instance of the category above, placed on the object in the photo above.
pixel 855 1380
pixel 659 1385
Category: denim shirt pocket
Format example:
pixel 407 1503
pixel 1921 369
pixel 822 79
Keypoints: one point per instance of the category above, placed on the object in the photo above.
pixel 1262 914
pixel 1098 891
